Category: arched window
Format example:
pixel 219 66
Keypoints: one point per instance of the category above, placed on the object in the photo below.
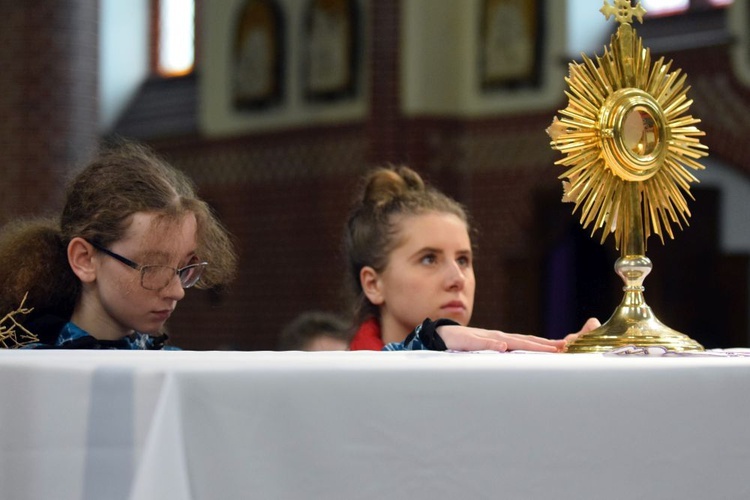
pixel 173 51
pixel 147 52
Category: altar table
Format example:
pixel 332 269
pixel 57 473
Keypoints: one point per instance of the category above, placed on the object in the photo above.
pixel 117 425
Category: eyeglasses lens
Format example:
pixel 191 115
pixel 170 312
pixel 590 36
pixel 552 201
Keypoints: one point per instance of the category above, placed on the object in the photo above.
pixel 158 277
pixel 190 275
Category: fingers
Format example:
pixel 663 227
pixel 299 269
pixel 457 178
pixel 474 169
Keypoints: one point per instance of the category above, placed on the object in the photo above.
pixel 571 337
pixel 519 341
pixel 532 338
pixel 591 324
pixel 464 338
pixel 529 343
pixel 461 338
pixel 486 344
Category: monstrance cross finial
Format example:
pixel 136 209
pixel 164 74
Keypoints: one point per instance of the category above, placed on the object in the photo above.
pixel 622 11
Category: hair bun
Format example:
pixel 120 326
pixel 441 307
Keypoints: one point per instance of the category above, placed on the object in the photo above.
pixel 387 184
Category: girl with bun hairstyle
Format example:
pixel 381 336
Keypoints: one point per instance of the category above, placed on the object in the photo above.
pixel 411 270
pixel 110 270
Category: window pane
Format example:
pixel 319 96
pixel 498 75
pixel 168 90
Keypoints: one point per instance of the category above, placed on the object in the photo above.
pixel 176 37
pixel 662 7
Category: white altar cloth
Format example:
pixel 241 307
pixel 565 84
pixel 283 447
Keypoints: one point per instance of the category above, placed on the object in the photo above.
pixel 111 425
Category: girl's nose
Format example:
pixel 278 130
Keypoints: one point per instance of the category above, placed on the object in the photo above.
pixel 174 289
pixel 456 277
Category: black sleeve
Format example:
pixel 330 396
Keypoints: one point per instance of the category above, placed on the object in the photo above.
pixel 427 334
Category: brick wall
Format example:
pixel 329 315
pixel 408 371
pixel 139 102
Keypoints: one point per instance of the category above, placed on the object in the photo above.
pixel 48 99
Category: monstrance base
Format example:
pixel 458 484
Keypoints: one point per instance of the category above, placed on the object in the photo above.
pixel 632 326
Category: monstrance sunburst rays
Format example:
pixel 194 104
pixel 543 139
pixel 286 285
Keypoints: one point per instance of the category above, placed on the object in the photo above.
pixel 629 145
pixel 655 154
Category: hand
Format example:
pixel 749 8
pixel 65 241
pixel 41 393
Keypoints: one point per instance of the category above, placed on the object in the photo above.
pixel 465 338
pixel 590 324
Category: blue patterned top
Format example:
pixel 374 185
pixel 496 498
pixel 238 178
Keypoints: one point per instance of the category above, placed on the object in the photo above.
pixel 73 337
pixel 423 338
pixel 413 344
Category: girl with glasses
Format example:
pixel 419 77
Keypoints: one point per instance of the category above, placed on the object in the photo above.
pixel 109 272
pixel 411 271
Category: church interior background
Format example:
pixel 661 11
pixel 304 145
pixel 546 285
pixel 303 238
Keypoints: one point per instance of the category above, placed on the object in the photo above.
pixel 460 91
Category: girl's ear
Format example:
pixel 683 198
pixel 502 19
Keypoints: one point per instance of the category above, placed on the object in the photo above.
pixel 81 259
pixel 370 282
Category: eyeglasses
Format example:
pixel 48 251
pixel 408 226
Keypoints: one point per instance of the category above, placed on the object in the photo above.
pixel 159 277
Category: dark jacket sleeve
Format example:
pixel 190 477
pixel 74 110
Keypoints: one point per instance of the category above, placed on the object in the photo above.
pixel 423 338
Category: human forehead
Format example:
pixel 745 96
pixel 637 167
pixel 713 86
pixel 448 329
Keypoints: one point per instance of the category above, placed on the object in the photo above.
pixel 440 230
pixel 157 233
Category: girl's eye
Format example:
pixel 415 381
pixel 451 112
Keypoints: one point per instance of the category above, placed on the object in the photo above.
pixel 428 259
pixel 464 261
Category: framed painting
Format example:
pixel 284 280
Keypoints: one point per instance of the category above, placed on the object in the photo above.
pixel 511 38
pixel 258 55
pixel 273 64
pixel 478 58
pixel 331 49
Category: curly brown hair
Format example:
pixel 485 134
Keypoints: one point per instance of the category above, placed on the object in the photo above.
pixel 123 179
pixel 388 194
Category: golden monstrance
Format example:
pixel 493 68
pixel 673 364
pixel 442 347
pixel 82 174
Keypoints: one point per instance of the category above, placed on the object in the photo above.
pixel 628 143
